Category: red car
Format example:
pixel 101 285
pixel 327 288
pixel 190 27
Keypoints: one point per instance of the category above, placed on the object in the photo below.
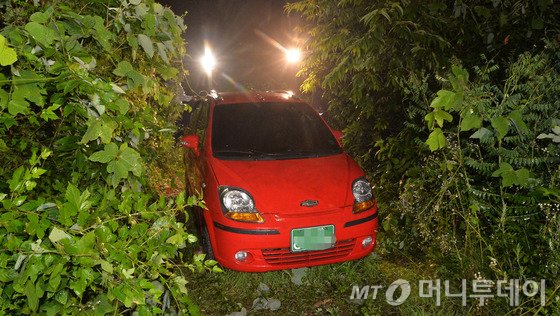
pixel 280 191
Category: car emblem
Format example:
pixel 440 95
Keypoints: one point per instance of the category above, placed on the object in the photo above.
pixel 309 203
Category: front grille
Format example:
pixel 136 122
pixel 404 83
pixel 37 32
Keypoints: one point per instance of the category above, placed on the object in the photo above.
pixel 278 256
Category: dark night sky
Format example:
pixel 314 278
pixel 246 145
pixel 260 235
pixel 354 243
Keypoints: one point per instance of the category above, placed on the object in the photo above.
pixel 231 27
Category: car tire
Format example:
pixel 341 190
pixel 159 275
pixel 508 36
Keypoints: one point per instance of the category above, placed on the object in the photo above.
pixel 192 222
pixel 206 244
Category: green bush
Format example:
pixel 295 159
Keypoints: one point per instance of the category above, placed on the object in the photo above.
pixel 85 108
pixel 486 201
pixel 483 202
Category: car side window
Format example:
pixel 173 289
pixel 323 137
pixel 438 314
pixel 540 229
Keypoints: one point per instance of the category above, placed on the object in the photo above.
pixel 199 120
pixel 202 123
pixel 190 127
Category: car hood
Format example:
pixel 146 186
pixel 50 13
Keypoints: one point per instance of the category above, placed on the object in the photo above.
pixel 280 186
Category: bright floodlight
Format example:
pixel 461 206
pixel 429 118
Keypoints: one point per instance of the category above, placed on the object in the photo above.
pixel 293 55
pixel 208 61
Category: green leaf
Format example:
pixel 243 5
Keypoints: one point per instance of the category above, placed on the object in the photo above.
pixel 127 160
pixel 102 35
pixel 30 185
pixel 167 72
pixel 470 121
pixel 210 263
pixel 41 17
pixel 42 34
pixel 123 68
pixel 176 240
pixel 162 53
pixel 459 79
pixel 82 277
pixel 31 291
pixel 32 224
pixel 445 99
pixel 17 106
pixel 132 158
pixel 31 91
pixel 523 176
pixel 48 114
pixel 76 198
pixel 436 140
pixel 128 273
pixel 192 238
pixel 103 233
pixel 149 24
pixel 99 129
pixel 441 115
pixel 85 245
pixel 76 202
pixel 122 105
pixel 55 277
pixel 146 44
pixel 504 167
pixel 508 177
pixel 104 156
pixel 62 296
pixel 511 177
pixel 501 125
pixel 57 234
pixel 180 201
pixel 555 138
pixel 16 183
pixel 137 79
pixel 430 118
pixel 372 17
pixel 517 119
pixel 8 55
pixel 106 266
pixel 8 275
pixel 117 89
pixel 181 283
pixel 4 98
pixel 482 134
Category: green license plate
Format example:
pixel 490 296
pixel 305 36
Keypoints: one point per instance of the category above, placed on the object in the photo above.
pixel 313 238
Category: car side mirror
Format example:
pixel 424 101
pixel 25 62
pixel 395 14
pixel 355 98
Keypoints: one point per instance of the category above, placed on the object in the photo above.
pixel 338 135
pixel 192 142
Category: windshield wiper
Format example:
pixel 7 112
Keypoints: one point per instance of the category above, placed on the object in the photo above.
pixel 298 154
pixel 259 155
pixel 314 153
pixel 250 153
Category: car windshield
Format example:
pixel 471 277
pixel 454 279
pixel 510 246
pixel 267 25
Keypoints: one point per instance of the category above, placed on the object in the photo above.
pixel 270 131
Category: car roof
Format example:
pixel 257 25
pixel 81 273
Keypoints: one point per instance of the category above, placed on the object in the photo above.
pixel 255 96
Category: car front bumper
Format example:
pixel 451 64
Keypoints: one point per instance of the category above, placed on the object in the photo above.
pixel 268 245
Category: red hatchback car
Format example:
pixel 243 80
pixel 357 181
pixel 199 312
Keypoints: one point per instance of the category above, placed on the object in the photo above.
pixel 280 191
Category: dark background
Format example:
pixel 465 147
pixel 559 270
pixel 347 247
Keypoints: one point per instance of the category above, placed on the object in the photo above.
pixel 231 28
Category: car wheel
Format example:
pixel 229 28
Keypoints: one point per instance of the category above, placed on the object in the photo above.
pixel 206 244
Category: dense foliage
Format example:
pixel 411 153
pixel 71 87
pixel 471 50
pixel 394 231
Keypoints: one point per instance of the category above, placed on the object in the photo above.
pixel 85 110
pixel 467 175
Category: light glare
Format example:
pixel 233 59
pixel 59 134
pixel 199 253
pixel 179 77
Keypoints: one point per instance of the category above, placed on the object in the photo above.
pixel 293 55
pixel 208 61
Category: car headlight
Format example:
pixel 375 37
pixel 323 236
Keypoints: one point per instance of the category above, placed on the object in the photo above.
pixel 363 196
pixel 237 204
